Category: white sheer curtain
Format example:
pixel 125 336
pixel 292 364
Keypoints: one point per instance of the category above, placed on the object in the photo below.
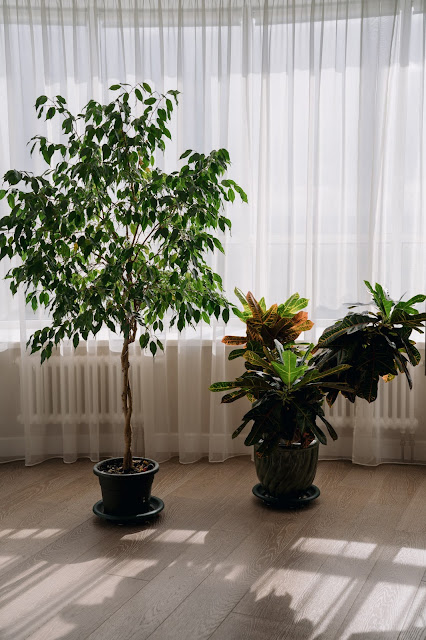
pixel 321 106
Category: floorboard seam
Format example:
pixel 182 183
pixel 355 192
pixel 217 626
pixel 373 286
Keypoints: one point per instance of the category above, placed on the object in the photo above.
pixel 198 585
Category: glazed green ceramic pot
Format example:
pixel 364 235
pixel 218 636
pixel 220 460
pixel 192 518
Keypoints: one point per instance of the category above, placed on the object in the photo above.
pixel 287 469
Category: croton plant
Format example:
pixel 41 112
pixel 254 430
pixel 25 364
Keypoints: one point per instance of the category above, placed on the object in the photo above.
pixel 287 382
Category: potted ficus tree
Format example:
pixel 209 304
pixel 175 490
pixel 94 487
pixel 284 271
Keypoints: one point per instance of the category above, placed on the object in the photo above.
pixel 106 238
pixel 288 382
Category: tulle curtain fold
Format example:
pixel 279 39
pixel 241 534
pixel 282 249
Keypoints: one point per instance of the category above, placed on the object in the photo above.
pixel 321 106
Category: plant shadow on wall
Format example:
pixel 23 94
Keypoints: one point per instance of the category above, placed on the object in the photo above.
pixel 107 239
pixel 288 382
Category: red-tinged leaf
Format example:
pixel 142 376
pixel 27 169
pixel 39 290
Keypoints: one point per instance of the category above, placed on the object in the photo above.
pixel 234 340
pixel 271 315
pixel 254 306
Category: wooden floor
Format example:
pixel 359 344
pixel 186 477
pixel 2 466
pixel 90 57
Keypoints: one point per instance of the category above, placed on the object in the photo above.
pixel 217 563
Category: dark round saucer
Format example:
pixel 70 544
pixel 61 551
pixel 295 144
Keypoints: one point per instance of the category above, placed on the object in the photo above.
pixel 155 503
pixel 292 500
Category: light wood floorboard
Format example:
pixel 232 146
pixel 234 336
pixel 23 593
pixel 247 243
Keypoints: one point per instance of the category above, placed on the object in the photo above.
pixel 217 564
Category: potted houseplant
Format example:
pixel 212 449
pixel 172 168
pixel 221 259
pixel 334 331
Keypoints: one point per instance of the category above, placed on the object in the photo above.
pixel 105 238
pixel 376 344
pixel 287 384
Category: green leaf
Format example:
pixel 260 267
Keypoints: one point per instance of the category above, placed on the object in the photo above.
pixel 256 360
pixel 241 193
pixel 40 100
pixel 236 353
pixel 143 340
pixel 223 386
pixel 153 348
pixel 351 323
pixel 262 304
pixel 369 287
pixel 241 297
pixel 314 374
pixel 330 429
pixel 292 306
pixel 318 433
pixel 13 176
pixel 408 320
pixel 288 371
pixel 115 87
pixel 412 352
pixel 76 340
pixel 231 397
pixel 146 87
pixel 416 300
pixel 240 428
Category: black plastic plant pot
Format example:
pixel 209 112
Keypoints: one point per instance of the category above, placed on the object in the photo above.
pixel 125 495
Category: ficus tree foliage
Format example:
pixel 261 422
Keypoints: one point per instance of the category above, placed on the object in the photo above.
pixel 105 237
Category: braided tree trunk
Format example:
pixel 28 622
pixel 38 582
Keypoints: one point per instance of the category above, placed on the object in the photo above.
pixel 126 399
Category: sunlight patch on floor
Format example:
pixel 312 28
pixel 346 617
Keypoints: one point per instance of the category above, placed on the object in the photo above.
pixel 138 536
pixel 61 629
pixel 324 602
pixel 6 561
pixel 383 610
pixel 21 534
pixel 278 581
pixel 416 617
pixel 133 567
pixel 331 547
pixel 190 536
pixel 235 573
pixel 409 555
pixel 5 532
pixel 100 593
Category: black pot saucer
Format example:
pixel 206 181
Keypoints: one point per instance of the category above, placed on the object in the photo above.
pixel 155 503
pixel 291 501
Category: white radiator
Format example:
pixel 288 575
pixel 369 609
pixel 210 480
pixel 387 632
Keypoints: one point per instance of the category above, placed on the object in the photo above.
pixel 78 389
pixel 387 425
pixel 86 390
pixel 394 407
